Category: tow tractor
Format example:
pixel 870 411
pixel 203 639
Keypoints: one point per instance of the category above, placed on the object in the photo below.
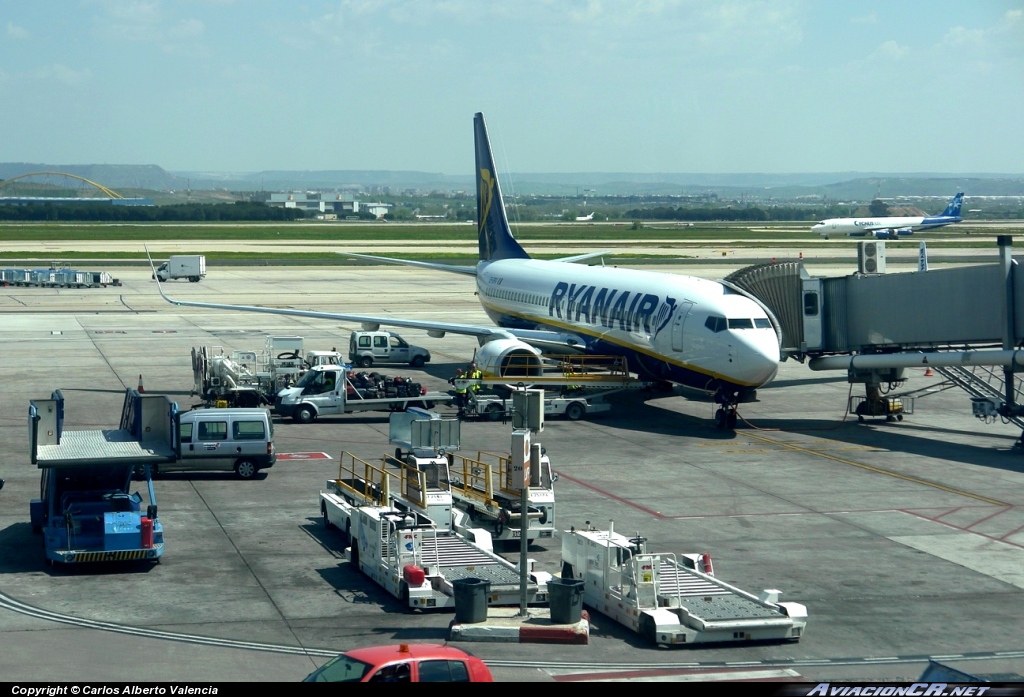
pixel 85 511
pixel 481 486
pixel 670 599
pixel 391 539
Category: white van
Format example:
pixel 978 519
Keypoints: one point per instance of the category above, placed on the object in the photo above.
pixel 367 348
pixel 229 440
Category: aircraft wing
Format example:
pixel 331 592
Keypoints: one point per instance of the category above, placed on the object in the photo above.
pixel 548 341
pixel 581 257
pixel 368 322
pixel 467 270
pixel 874 228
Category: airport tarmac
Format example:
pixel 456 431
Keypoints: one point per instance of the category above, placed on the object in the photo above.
pixel 904 540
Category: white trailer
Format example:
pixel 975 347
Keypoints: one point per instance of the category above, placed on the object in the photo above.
pixel 495 407
pixel 190 266
pixel 329 389
pixel 404 550
pixel 666 599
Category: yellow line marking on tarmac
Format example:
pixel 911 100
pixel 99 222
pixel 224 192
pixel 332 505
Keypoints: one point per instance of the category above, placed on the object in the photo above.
pixel 733 445
pixel 877 470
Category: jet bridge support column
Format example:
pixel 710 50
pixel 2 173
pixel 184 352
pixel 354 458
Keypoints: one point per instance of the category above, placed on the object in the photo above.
pixel 1005 242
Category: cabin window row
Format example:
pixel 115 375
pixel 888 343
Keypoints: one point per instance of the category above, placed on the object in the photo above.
pixel 520 297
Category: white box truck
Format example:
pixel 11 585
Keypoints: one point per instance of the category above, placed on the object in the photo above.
pixel 190 266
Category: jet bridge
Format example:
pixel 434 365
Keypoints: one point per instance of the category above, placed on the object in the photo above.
pixel 875 326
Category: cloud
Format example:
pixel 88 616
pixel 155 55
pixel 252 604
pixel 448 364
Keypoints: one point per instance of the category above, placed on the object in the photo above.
pixel 186 29
pixel 62 73
pixel 16 32
pixel 147 21
pixel 961 36
pixel 890 50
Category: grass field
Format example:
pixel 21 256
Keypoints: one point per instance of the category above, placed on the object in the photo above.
pixel 636 245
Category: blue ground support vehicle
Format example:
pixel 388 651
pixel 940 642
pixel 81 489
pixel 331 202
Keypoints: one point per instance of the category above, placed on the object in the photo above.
pixel 85 510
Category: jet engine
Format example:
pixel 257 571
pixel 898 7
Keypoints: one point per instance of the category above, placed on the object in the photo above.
pixel 508 358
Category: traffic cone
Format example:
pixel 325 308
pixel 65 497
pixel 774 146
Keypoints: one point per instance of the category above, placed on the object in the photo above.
pixel 928 373
pixel 141 390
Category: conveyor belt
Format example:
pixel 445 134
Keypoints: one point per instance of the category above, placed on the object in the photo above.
pixel 112 447
pixel 459 559
pixel 708 601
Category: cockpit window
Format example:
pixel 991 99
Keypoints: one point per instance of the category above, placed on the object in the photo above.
pixel 762 323
pixel 715 324
pixel 745 323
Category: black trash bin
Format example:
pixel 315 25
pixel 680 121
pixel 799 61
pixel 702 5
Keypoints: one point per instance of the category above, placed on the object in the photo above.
pixel 471 599
pixel 565 600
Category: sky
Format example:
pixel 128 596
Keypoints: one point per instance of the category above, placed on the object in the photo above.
pixel 649 86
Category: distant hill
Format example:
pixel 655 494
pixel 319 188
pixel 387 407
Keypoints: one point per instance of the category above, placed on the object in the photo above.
pixel 150 177
pixel 831 186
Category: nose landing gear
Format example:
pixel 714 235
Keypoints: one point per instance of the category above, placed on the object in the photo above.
pixel 725 415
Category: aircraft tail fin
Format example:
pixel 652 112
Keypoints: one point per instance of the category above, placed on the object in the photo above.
pixel 953 209
pixel 495 236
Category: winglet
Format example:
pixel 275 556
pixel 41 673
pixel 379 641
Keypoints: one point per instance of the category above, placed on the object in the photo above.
pixel 159 285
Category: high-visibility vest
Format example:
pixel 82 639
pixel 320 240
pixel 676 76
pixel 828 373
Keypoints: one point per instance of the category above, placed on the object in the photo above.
pixel 476 375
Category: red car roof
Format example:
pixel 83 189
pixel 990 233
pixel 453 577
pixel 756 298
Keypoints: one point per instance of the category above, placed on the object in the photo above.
pixel 394 652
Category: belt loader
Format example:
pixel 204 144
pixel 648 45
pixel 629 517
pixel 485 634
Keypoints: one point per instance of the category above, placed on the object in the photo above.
pixel 666 599
pixel 85 512
pixel 416 559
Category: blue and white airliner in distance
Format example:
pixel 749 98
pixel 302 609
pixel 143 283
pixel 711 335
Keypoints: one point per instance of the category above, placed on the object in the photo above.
pixel 890 228
pixel 670 327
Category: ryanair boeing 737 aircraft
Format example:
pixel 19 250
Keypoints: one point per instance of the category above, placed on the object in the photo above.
pixel 670 327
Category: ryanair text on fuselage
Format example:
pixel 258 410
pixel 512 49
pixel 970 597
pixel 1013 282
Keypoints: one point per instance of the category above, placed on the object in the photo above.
pixel 610 308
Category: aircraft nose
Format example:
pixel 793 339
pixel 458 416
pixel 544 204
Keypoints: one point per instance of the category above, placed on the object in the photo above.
pixel 761 356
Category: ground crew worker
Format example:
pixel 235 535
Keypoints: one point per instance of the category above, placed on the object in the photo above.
pixel 460 392
pixel 475 374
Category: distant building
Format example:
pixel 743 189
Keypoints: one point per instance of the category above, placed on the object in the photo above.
pixel 327 203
